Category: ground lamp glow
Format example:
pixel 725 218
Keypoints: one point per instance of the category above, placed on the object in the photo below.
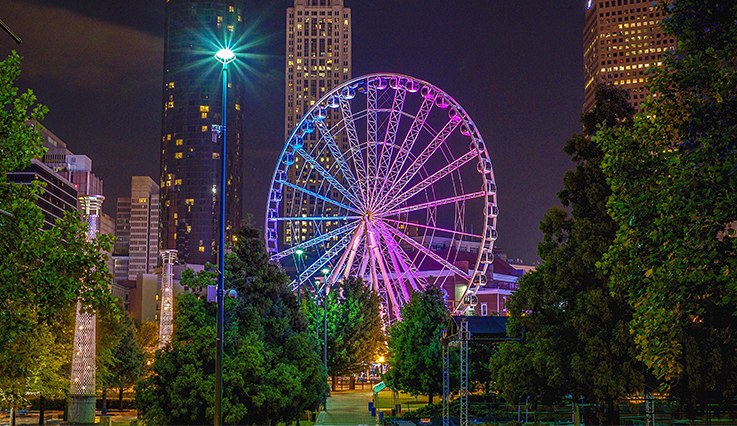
pixel 224 56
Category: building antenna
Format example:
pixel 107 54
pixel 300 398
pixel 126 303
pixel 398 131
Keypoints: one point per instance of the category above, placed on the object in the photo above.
pixel 10 32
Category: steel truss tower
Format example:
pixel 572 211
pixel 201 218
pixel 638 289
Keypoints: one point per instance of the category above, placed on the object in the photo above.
pixel 82 388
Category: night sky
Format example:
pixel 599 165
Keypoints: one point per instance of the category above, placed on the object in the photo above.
pixel 515 66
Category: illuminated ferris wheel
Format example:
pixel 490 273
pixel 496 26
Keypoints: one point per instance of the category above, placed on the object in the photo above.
pixel 385 178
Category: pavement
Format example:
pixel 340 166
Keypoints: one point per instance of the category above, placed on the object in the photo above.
pixel 54 417
pixel 347 408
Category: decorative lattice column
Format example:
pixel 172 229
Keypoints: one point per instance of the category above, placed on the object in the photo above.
pixel 166 314
pixel 83 386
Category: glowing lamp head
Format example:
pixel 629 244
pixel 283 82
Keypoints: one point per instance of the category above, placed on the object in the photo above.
pixel 225 56
pixel 325 271
pixel 299 252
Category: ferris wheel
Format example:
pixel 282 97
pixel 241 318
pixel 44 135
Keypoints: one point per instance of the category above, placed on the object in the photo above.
pixel 386 178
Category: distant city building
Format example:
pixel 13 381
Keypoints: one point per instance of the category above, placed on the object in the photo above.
pixel 137 230
pixel 57 197
pixel 192 104
pixel 622 39
pixel 318 58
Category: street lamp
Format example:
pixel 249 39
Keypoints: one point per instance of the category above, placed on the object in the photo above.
pixel 224 56
pixel 299 253
pixel 325 271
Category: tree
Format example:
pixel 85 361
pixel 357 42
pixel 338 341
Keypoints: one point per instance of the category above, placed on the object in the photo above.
pixel 674 185
pixel 575 338
pixel 127 361
pixel 415 353
pixel 271 368
pixel 355 336
pixel 42 273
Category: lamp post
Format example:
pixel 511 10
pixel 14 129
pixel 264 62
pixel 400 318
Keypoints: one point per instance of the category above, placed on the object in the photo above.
pixel 325 272
pixel 299 253
pixel 224 56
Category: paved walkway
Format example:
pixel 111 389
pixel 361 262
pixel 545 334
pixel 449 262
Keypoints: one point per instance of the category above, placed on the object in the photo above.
pixel 347 408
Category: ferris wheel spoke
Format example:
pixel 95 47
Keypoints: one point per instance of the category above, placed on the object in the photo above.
pixel 430 253
pixel 387 148
pixel 416 278
pixel 354 143
pixel 431 180
pixel 434 228
pixel 319 263
pixel 373 236
pixel 432 204
pixel 329 177
pixel 337 154
pixel 403 271
pixel 318 196
pixel 346 259
pixel 314 241
pixel 408 143
pixel 420 161
pixel 372 137
pixel 314 218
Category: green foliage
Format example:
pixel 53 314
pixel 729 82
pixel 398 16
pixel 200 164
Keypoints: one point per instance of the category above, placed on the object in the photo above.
pixel 42 273
pixel 271 369
pixel 355 336
pixel 674 191
pixel 574 333
pixel 127 358
pixel 415 353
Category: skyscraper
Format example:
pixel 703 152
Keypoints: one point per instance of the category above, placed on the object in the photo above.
pixel 318 53
pixel 192 104
pixel 622 39
pixel 137 230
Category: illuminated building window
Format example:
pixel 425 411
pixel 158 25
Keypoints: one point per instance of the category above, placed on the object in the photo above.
pixel 189 201
pixel 168 137
pixel 204 108
pixel 178 182
pixel 231 9
pixel 204 115
pixel 178 155
pixel 202 249
pixel 179 142
pixel 215 155
pixel 204 128
pixel 230 28
pixel 171 85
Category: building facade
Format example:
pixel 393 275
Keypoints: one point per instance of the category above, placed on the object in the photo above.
pixel 192 104
pixel 622 39
pixel 318 58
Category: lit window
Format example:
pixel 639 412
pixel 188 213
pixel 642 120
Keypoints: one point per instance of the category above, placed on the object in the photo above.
pixel 178 155
pixel 177 182
pixel 202 249
pixel 189 201
pixel 204 115
pixel 179 142
pixel 231 9
pixel 230 28
pixel 204 108
pixel 215 155
pixel 204 128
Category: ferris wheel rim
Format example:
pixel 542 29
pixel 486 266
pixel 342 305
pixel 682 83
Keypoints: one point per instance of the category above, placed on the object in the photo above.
pixel 481 154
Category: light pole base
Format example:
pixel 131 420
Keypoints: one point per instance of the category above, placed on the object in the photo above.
pixel 82 409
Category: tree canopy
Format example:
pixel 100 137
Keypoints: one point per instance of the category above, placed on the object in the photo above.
pixel 271 368
pixel 574 333
pixel 355 335
pixel 42 273
pixel 415 352
pixel 674 191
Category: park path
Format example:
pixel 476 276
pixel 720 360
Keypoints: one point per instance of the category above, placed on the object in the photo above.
pixel 347 408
